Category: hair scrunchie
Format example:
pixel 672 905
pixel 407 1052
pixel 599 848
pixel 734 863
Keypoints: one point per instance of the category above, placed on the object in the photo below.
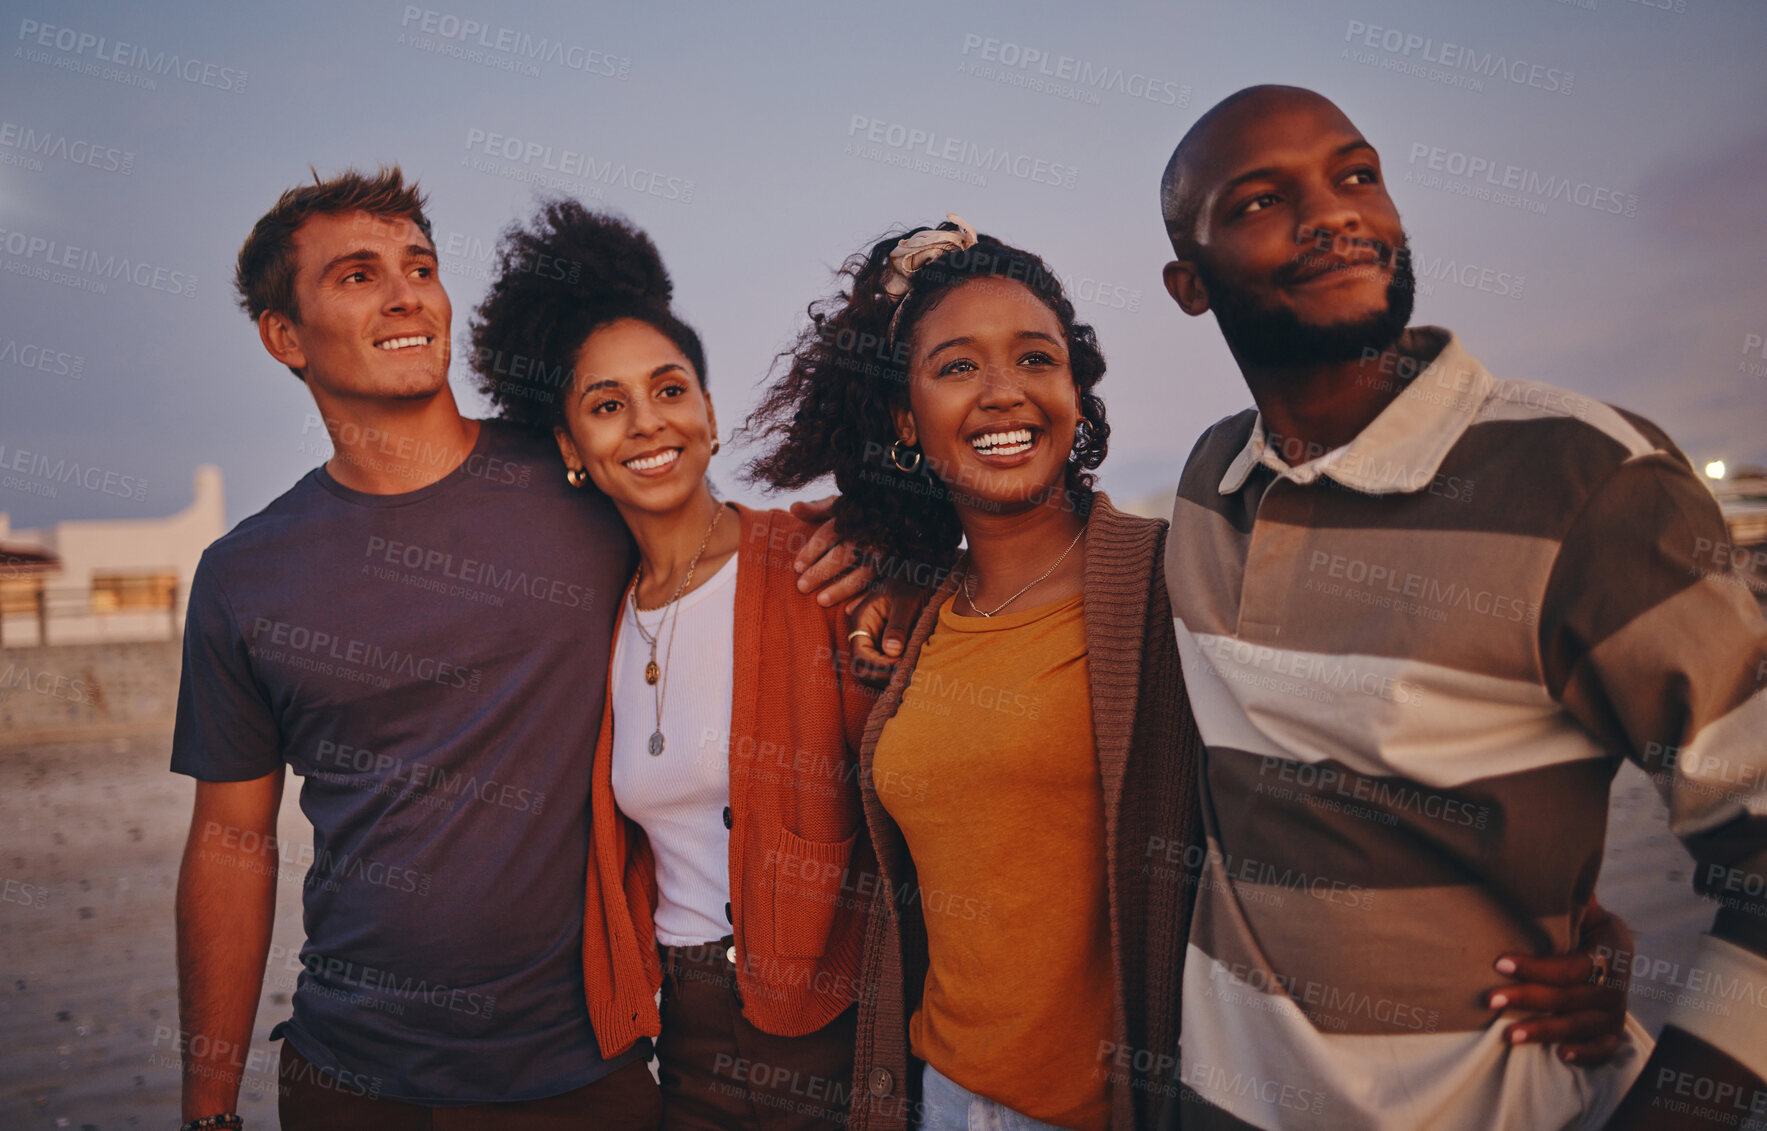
pixel 916 251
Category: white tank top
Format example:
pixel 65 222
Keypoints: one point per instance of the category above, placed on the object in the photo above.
pixel 679 797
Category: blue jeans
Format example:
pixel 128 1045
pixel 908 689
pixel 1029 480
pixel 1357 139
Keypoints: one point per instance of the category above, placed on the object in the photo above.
pixel 947 1105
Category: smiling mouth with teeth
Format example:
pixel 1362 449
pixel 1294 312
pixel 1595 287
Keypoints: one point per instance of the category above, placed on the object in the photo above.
pixel 405 342
pixel 1003 443
pixel 651 463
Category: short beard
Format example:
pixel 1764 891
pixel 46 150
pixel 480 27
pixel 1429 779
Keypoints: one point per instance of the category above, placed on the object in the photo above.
pixel 1276 338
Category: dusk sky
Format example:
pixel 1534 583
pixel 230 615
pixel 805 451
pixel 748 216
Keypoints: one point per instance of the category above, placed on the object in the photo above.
pixel 138 144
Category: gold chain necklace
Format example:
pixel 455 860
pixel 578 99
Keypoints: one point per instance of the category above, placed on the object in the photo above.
pixel 652 673
pixel 1044 576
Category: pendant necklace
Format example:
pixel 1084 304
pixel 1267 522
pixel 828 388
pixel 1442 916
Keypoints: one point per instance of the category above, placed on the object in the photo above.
pixel 653 675
pixel 1042 577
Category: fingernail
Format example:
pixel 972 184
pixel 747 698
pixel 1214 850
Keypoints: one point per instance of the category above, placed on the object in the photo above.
pixel 1506 965
pixel 893 647
pixel 799 566
pixel 1568 1055
pixel 1498 1001
pixel 803 585
pixel 1517 1036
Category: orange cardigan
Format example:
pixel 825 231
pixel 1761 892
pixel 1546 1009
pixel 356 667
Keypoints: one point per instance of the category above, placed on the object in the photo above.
pixel 801 866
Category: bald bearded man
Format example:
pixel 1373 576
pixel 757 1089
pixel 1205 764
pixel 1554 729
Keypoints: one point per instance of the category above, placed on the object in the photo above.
pixel 1423 613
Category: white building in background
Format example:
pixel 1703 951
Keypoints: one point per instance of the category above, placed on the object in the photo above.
pixel 86 581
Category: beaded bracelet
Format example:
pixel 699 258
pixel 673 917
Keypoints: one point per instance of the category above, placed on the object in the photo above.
pixel 229 1122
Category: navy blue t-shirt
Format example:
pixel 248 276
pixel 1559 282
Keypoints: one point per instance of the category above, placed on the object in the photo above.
pixel 433 665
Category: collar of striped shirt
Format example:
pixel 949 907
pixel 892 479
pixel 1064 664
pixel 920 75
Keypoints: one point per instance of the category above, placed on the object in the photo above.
pixel 1402 448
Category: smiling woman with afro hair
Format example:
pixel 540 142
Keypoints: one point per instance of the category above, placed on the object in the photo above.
pixel 714 874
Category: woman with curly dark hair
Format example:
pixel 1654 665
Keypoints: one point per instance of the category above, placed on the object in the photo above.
pixel 836 406
pixel 1037 717
pixel 725 817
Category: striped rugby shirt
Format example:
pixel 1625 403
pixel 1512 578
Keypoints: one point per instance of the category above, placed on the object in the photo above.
pixel 1415 662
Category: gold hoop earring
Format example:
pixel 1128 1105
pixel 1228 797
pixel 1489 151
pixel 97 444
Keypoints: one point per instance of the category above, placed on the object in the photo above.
pixel 577 476
pixel 897 452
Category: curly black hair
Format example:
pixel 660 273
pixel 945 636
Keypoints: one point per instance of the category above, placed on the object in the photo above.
pixel 830 411
pixel 566 274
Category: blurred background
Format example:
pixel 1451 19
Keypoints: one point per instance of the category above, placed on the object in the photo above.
pixel 1581 181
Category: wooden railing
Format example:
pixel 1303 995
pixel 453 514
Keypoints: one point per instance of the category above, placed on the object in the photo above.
pixel 65 605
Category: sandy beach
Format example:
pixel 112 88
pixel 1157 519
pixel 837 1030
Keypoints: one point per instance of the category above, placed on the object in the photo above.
pixel 89 1015
pixel 94 828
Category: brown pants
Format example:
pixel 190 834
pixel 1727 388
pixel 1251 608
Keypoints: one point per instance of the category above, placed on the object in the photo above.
pixel 624 1098
pixel 720 1073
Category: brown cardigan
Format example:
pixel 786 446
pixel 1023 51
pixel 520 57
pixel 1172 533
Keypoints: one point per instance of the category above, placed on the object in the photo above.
pixel 1149 756
pixel 798 854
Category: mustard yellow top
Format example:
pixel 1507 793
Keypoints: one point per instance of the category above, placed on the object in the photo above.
pixel 1005 823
